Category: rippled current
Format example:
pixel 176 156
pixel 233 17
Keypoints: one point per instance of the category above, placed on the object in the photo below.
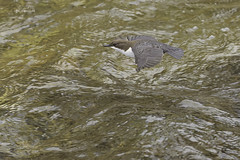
pixel 64 96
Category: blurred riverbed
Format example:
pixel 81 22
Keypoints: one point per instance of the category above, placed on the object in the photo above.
pixel 64 96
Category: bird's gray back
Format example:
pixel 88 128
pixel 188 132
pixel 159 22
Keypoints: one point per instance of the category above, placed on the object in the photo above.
pixel 140 37
pixel 142 44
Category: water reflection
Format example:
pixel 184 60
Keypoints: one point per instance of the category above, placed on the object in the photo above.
pixel 63 96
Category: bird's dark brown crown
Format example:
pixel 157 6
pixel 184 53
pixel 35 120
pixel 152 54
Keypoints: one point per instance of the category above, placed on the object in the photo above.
pixel 121 44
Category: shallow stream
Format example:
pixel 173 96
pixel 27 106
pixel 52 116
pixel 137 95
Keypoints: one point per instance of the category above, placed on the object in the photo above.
pixel 64 96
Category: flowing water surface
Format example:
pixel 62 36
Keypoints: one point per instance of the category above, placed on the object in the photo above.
pixel 64 96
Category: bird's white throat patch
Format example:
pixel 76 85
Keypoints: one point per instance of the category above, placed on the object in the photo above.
pixel 128 53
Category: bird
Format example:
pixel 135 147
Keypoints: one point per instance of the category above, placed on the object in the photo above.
pixel 146 50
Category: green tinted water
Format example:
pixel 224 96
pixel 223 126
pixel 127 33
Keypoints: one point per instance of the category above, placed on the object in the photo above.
pixel 64 96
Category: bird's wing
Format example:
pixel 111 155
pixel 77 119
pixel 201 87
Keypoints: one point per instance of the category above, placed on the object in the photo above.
pixel 146 57
pixel 172 51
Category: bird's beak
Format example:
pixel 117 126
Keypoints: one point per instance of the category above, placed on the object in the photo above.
pixel 106 45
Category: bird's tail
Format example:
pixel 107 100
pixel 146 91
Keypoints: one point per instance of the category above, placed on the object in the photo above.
pixel 172 51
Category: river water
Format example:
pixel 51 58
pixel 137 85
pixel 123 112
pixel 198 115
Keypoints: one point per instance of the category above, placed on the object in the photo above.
pixel 64 96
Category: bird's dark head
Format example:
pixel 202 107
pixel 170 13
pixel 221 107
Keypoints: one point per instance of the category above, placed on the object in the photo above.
pixel 120 44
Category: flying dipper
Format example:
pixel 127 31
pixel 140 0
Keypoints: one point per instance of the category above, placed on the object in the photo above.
pixel 146 50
